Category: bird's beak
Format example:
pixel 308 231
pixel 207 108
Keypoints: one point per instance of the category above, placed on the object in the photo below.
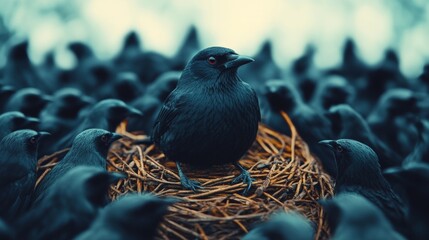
pixel 393 174
pixel 134 112
pixel 31 121
pixel 115 137
pixel 47 98
pixel 328 144
pixel 116 176
pixel 43 134
pixel 87 100
pixel 235 61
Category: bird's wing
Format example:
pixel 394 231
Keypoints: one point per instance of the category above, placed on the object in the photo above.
pixel 166 115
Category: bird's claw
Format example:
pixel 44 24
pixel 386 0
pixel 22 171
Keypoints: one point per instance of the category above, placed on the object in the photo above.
pixel 190 184
pixel 245 178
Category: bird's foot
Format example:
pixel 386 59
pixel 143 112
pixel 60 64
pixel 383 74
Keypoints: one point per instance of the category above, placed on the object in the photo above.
pixel 190 184
pixel 245 178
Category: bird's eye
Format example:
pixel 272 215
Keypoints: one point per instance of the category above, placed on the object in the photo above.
pixel 339 148
pixel 212 60
pixel 104 138
pixel 33 140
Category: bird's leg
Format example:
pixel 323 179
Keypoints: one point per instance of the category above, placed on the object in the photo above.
pixel 186 182
pixel 244 177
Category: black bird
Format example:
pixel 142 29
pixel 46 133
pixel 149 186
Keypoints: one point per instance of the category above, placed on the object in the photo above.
pixel 420 152
pixel 126 87
pixel 306 77
pixel 18 161
pixel 89 148
pixel 352 67
pixel 126 60
pixel 359 172
pixel 283 226
pixel 413 179
pixel 106 114
pixel 12 121
pixel 29 101
pixel 351 216
pixel 6 232
pixel 131 217
pixel 349 124
pixel 189 48
pixel 6 91
pixel 70 205
pixel 211 117
pixel 311 125
pixel 333 91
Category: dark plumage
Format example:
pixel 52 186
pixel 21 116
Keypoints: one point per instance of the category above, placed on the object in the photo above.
pixel 106 114
pixel 420 152
pixel 349 124
pixel 359 172
pixel 29 101
pixel 351 216
pixel 189 48
pixel 413 180
pixel 12 121
pixel 211 117
pixel 5 231
pixel 333 91
pixel 131 217
pixel 69 206
pixel 6 91
pixel 283 226
pixel 89 148
pixel 18 160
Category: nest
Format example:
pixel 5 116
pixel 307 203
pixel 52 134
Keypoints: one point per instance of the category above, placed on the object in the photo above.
pixel 287 177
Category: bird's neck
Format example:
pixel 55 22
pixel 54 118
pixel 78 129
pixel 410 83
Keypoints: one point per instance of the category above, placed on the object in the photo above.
pixel 365 176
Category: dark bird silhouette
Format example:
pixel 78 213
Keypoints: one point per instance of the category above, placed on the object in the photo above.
pixel 303 71
pixel 390 119
pixel 349 124
pixel 190 46
pixel 89 148
pixel 126 60
pixel 420 152
pixel 359 172
pixel 333 91
pixel 6 232
pixel 29 101
pixel 106 114
pixel 12 121
pixel 18 151
pixel 352 216
pixel 413 179
pixel 6 91
pixel 283 226
pixel 211 117
pixel 70 205
pixel 126 87
pixel 423 79
pixel 311 125
pixel 131 217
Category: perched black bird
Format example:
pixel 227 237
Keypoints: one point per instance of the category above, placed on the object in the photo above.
pixel 29 101
pixel 351 216
pixel 18 160
pixel 106 114
pixel 6 232
pixel 283 226
pixel 333 91
pixel 359 172
pixel 131 217
pixel 89 148
pixel 349 124
pixel 413 179
pixel 12 121
pixel 211 117
pixel 69 206
pixel 311 125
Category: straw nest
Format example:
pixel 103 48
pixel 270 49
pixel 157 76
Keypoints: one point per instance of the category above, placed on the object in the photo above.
pixel 286 177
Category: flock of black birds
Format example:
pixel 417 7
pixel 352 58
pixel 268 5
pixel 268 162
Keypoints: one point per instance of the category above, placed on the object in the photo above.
pixel 367 124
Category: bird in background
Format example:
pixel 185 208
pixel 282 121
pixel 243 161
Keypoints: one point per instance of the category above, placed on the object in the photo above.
pixel 211 117
pixel 282 226
pixel 352 216
pixel 359 172
pixel 6 232
pixel 69 206
pixel 190 46
pixel 131 217
pixel 420 152
pixel 304 74
pixel 18 151
pixel 89 148
pixel 333 90
pixel 12 121
pixel 29 101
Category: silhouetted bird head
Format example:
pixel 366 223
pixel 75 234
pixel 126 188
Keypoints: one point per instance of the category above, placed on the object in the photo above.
pixel 132 40
pixel 67 102
pixel 19 51
pixel 29 101
pixel 94 139
pixel 281 95
pixel 127 86
pixel 81 51
pixel 213 66
pixel 345 118
pixel 163 85
pixel 302 64
pixel 398 102
pixel 333 91
pixel 22 143
pixel 12 121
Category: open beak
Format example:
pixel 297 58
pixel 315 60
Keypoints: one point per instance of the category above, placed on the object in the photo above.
pixel 134 112
pixel 235 61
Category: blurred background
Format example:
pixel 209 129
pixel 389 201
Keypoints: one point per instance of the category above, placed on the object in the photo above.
pixel 241 25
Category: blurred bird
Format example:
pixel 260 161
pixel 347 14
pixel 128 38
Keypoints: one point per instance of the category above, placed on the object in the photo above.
pixel 332 91
pixel 305 76
pixel 29 101
pixel 6 91
pixel 18 151
pixel 131 217
pixel 351 216
pixel 12 121
pixel 359 172
pixel 349 124
pixel 189 48
pixel 106 114
pixel 311 125
pixel 69 206
pixel 89 148
pixel 420 152
pixel 283 226
pixel 413 179
pixel 211 117
pixel 126 87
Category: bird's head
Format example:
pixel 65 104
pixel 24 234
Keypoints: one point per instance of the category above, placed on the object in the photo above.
pixel 114 111
pixel 15 120
pixel 69 101
pixel 333 91
pixel 213 63
pixel 399 101
pixel 94 139
pixel 23 142
pixel 344 117
pixel 281 94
